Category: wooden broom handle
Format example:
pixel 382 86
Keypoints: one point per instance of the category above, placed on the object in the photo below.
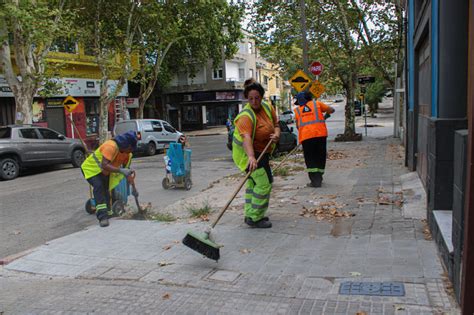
pixel 239 188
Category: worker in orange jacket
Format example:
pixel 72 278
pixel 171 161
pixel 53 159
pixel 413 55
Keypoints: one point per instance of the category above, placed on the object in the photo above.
pixel 312 134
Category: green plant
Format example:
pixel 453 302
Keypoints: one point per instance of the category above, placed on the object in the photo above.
pixel 282 171
pixel 198 212
pixel 162 217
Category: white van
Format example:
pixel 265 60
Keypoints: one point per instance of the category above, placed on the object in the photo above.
pixel 153 134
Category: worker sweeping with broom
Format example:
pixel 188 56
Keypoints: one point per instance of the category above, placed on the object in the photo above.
pixel 256 133
pixel 105 168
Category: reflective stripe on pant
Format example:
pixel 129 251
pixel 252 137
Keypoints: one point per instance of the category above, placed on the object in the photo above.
pixel 315 151
pixel 100 185
pixel 257 194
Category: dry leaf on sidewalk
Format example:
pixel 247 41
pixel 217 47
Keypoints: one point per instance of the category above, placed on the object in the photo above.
pixel 355 274
pixel 245 251
pixel 164 263
pixel 399 307
pixel 361 313
pixel 166 247
pixel 166 296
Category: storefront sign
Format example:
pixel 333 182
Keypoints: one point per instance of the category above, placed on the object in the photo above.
pixel 131 102
pixel 225 95
pixel 5 90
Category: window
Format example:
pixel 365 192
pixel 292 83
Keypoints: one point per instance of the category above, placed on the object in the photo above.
pixel 217 74
pixel 156 125
pixel 28 133
pixel 277 82
pixel 5 133
pixel 168 127
pixel 64 45
pixel 251 73
pixel 92 116
pixel 250 47
pixel 48 134
pixel 265 80
pixel 241 74
pixel 191 113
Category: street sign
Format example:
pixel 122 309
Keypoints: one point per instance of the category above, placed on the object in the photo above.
pixel 316 68
pixel 300 81
pixel 366 79
pixel 317 88
pixel 70 103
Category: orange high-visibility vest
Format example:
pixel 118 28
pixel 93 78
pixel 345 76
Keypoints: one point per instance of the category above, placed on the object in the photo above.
pixel 310 121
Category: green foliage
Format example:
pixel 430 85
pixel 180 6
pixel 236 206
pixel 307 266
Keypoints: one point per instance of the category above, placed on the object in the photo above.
pixel 201 211
pixel 162 217
pixel 374 93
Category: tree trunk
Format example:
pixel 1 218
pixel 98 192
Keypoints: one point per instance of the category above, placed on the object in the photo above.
pixel 349 126
pixel 24 101
pixel 141 106
pixel 103 111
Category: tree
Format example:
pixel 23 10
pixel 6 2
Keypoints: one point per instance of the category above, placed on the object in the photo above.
pixel 109 28
pixel 27 30
pixel 338 35
pixel 182 35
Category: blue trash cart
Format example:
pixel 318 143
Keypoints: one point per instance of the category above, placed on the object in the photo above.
pixel 178 167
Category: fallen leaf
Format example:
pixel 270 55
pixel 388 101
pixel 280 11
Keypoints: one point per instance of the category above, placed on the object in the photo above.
pixel 399 307
pixel 16 232
pixel 176 242
pixel 164 263
pixel 361 313
pixel 166 296
pixel 355 274
pixel 245 251
pixel 166 247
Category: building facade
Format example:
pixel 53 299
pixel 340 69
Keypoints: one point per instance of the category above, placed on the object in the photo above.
pixel 215 94
pixel 437 132
pixel 80 78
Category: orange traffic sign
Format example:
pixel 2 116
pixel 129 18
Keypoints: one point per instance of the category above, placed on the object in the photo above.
pixel 317 88
pixel 300 81
pixel 70 103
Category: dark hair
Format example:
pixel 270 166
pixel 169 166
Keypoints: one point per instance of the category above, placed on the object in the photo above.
pixel 249 81
pixel 254 86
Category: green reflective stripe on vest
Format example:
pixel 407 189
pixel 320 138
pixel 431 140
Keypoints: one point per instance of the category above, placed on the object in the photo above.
pixel 311 122
pixel 238 153
pixel 101 206
pixel 315 170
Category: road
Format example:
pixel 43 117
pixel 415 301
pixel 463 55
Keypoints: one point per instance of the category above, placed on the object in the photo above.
pixel 49 203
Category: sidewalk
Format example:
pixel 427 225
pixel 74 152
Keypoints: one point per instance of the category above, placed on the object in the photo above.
pixel 355 228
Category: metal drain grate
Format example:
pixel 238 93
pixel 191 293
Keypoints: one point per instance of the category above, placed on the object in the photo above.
pixel 372 288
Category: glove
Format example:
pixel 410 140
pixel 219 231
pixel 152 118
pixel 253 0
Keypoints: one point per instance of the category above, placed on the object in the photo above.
pixel 326 116
pixel 126 171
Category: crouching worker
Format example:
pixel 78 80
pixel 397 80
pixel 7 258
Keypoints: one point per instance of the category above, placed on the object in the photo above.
pixel 106 167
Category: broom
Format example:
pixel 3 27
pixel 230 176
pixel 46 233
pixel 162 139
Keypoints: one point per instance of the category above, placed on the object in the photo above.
pixel 202 242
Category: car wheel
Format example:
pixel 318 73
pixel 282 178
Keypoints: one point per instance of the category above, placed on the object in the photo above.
pixel 9 169
pixel 151 149
pixel 77 158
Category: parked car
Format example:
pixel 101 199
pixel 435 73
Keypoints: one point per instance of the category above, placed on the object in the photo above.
pixel 339 98
pixel 288 139
pixel 287 116
pixel 25 146
pixel 153 134
pixel 357 108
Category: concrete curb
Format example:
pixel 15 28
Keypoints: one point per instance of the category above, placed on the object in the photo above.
pixel 6 260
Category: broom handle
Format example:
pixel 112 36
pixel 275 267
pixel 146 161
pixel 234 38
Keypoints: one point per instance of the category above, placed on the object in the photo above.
pixel 239 188
pixel 285 158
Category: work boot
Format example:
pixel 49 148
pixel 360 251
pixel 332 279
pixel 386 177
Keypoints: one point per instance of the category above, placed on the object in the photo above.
pixel 104 222
pixel 261 224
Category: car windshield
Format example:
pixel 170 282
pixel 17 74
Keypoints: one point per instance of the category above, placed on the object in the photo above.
pixel 5 132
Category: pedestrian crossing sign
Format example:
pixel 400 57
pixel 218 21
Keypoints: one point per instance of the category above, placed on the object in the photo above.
pixel 70 103
pixel 317 88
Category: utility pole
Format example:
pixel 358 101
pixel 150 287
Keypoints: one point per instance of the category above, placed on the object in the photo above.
pixel 303 35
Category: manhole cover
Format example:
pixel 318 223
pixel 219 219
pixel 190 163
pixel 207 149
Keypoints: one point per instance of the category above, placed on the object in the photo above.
pixel 224 275
pixel 372 288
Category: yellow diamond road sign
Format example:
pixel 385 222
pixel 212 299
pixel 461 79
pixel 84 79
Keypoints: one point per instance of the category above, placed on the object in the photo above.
pixel 300 81
pixel 70 103
pixel 317 88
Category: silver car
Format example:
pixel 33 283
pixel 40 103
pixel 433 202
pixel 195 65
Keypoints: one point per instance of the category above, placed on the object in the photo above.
pixel 153 134
pixel 25 146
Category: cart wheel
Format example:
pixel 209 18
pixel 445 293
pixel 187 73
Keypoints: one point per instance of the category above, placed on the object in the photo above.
pixel 89 208
pixel 118 208
pixel 165 183
pixel 188 184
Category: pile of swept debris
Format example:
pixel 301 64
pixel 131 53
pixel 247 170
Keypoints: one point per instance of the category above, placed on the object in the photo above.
pixel 328 211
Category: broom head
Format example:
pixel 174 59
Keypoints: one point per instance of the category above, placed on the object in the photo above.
pixel 201 243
